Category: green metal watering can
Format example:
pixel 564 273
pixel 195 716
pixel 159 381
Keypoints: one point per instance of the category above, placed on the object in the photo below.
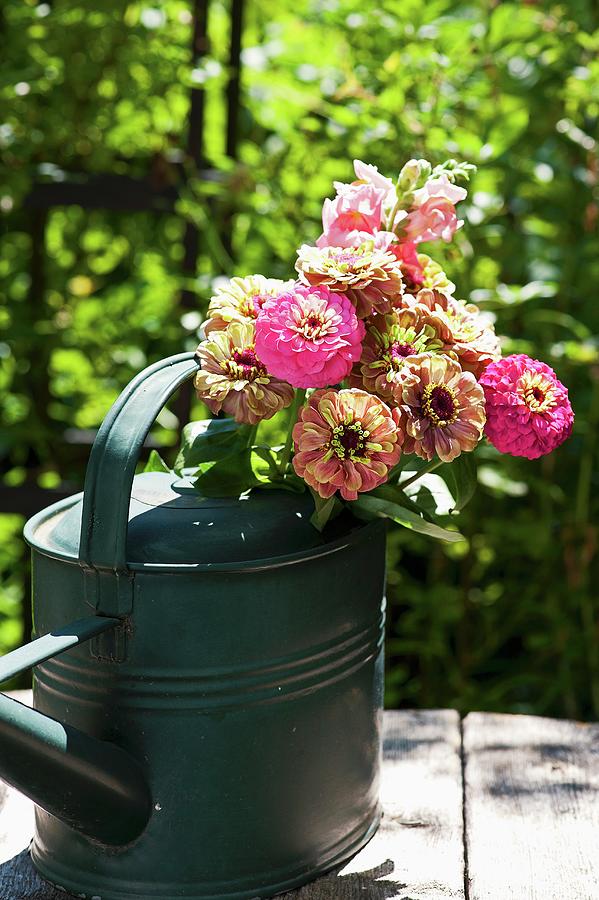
pixel 209 723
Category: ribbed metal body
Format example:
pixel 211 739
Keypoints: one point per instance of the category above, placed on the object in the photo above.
pixel 251 696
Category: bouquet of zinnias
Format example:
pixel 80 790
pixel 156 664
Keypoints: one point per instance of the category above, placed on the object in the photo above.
pixel 388 375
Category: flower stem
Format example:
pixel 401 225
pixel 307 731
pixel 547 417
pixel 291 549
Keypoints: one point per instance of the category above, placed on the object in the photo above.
pixel 252 436
pixel 430 467
pixel 392 215
pixel 298 400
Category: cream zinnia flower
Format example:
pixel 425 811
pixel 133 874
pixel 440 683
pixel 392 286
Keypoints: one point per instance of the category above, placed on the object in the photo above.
pixel 370 277
pixel 468 333
pixel 241 299
pixel 393 345
pixel 233 379
pixel 345 441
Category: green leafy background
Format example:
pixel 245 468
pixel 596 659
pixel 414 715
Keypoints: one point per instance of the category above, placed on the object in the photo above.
pixel 505 619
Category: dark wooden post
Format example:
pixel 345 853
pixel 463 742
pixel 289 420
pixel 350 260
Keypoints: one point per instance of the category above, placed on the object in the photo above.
pixel 234 85
pixel 195 159
pixel 195 142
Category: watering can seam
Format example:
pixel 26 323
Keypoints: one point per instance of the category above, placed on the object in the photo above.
pixel 296 660
pixel 267 696
pixel 242 680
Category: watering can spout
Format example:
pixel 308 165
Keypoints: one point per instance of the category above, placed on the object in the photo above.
pixel 93 786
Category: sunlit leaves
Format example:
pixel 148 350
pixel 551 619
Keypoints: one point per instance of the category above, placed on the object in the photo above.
pixel 386 502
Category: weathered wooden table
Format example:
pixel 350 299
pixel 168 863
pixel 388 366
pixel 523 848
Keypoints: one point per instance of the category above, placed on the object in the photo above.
pixel 492 807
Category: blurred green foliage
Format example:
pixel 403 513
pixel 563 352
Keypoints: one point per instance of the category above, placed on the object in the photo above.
pixel 507 619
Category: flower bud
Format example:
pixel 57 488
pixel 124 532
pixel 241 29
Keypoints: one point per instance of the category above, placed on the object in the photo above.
pixel 413 175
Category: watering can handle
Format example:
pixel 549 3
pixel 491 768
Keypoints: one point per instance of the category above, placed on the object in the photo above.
pixel 111 467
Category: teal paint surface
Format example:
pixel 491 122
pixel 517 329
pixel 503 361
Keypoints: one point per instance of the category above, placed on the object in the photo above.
pixel 242 685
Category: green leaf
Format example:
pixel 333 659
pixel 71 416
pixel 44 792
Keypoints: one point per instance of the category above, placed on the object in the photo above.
pixel 291 483
pixel 325 510
pixel 156 463
pixel 431 494
pixel 210 440
pixel 264 462
pixel 270 472
pixel 562 320
pixel 455 170
pixel 231 476
pixel 369 506
pixel 501 483
pixel 460 477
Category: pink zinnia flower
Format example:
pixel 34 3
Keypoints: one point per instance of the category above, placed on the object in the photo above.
pixel 528 410
pixel 347 441
pixel 435 219
pixel 309 336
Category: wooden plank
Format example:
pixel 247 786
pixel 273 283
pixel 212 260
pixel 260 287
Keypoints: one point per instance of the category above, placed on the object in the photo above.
pixel 531 812
pixel 417 853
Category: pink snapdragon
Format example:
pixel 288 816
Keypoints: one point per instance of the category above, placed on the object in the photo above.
pixel 354 216
pixel 371 175
pixel 355 211
pixel 440 187
pixel 407 256
pixel 310 334
pixel 435 219
pixel 528 410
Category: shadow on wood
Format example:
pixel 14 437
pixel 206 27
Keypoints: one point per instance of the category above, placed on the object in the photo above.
pixel 335 886
pixel 18 878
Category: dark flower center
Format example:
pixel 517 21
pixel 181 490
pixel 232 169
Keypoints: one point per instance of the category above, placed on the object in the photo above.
pixel 412 277
pixel 349 441
pixel 439 404
pixel 252 304
pixel 313 327
pixel 537 392
pixel 244 364
pixel 402 350
pixel 246 357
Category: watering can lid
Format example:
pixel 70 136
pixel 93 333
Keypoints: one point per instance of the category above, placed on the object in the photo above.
pixel 171 524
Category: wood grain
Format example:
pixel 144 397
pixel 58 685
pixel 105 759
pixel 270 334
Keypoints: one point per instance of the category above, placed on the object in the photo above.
pixel 532 808
pixel 416 855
